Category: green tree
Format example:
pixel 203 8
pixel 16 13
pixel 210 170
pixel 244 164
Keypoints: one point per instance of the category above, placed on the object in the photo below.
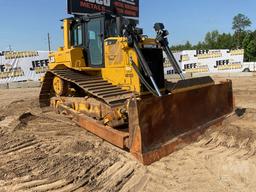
pixel 200 46
pixel 251 50
pixel 225 41
pixel 211 39
pixel 240 39
pixel 188 46
pixel 249 46
pixel 241 22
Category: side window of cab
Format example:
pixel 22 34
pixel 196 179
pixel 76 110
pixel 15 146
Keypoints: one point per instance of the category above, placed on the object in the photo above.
pixel 76 36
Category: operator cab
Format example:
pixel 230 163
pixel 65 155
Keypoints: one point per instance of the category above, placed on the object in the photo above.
pixel 89 32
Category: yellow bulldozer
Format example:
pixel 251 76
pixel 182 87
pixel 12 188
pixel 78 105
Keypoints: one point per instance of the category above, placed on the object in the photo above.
pixel 109 79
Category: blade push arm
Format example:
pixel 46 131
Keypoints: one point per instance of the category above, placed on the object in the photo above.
pixel 133 38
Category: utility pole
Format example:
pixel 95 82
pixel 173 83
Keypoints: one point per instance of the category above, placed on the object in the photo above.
pixel 49 42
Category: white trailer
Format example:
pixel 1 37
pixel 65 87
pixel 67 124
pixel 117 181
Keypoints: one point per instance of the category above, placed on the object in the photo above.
pixel 249 66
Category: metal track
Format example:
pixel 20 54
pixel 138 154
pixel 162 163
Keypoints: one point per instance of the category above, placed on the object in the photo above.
pixel 94 86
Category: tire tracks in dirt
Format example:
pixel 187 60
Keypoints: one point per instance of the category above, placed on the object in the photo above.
pixel 50 153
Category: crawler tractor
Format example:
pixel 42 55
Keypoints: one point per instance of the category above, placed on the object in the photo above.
pixel 109 79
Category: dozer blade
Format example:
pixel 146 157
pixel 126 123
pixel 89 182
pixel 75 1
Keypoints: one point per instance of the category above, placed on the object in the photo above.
pixel 160 125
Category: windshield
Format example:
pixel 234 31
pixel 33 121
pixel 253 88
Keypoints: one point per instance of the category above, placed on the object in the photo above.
pixel 110 28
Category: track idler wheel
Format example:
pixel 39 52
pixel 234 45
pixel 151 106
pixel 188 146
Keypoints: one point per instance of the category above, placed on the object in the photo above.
pixel 60 86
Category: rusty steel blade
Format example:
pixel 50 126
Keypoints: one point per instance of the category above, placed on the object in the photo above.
pixel 160 125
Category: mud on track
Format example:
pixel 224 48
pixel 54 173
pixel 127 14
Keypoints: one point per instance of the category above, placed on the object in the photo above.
pixel 42 151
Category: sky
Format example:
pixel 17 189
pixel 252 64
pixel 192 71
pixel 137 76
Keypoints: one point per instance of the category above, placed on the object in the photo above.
pixel 25 23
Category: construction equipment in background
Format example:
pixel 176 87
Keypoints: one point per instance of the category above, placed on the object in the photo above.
pixel 109 78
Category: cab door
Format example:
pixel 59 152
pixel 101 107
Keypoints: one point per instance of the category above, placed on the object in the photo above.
pixel 95 42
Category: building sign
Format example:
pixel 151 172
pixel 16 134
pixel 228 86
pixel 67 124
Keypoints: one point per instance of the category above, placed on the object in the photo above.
pixel 128 8
pixel 206 54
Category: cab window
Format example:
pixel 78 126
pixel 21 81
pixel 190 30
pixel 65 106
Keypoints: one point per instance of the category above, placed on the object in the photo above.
pixel 77 37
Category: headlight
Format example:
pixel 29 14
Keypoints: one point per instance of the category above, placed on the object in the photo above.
pixel 51 59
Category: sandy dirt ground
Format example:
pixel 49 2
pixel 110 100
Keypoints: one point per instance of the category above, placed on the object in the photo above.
pixel 43 151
